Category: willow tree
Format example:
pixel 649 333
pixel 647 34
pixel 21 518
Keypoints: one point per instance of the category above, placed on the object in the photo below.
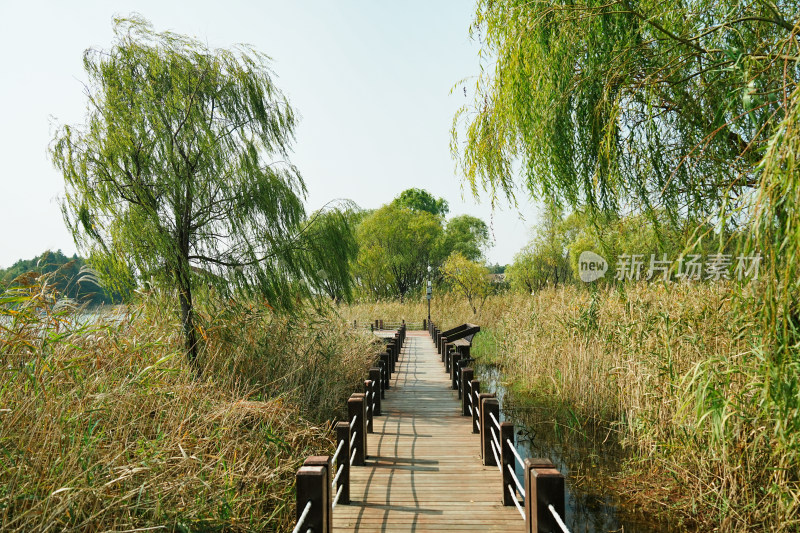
pixel 396 247
pixel 684 107
pixel 618 105
pixel 180 173
pixel 467 278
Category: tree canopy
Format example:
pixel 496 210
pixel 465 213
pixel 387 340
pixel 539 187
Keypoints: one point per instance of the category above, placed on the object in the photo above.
pixel 467 235
pixel 396 246
pixel 422 200
pixel 181 172
pixel 467 278
pixel 398 242
pixel 545 259
pixel 617 105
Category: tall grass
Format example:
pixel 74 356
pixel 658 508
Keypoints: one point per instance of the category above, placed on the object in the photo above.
pixel 679 372
pixel 104 426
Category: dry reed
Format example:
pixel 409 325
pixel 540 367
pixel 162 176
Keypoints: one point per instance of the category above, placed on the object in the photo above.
pixel 676 371
pixel 104 425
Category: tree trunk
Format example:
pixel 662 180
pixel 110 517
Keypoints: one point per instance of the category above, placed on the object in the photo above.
pixel 187 321
pixel 184 282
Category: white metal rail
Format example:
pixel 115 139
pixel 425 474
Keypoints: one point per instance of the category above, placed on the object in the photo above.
pixel 496 423
pixel 496 451
pixel 516 502
pixel 335 457
pixel 302 519
pixel 336 499
pixel 559 521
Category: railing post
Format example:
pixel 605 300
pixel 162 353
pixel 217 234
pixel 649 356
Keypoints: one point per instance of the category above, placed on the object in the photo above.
pixel 424 323
pixel 325 462
pixel 376 396
pixel 387 369
pixel 368 401
pixel 476 392
pixel 377 382
pixel 312 486
pixel 441 344
pixel 467 374
pixel 455 358
pixel 390 350
pixel 489 405
pixel 507 460
pixel 544 485
pixel 459 369
pixel 381 324
pixel 343 434
pixel 377 324
pixel 356 408
pixel 464 350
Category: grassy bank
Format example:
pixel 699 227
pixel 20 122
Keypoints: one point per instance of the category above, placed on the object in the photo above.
pixel 677 372
pixel 105 426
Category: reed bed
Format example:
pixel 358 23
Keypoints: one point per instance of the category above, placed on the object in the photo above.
pixel 678 373
pixel 104 425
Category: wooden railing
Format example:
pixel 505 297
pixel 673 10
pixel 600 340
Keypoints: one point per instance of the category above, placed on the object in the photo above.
pixel 540 495
pixel 323 482
pixel 387 325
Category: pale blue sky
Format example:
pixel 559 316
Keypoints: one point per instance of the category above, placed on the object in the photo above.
pixel 371 81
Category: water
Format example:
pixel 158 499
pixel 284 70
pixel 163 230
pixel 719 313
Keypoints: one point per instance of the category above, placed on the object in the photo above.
pixel 80 320
pixel 587 454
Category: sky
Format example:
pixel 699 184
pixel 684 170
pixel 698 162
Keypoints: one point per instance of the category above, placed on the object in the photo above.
pixel 371 81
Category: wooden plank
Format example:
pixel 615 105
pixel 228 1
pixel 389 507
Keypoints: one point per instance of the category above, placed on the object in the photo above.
pixel 423 471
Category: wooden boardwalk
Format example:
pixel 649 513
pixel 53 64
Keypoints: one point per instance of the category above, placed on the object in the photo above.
pixel 424 470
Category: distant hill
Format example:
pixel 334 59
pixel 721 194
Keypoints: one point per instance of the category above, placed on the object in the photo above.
pixel 68 278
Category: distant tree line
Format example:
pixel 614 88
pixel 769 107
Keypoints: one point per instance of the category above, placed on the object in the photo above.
pixel 636 248
pixel 70 276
